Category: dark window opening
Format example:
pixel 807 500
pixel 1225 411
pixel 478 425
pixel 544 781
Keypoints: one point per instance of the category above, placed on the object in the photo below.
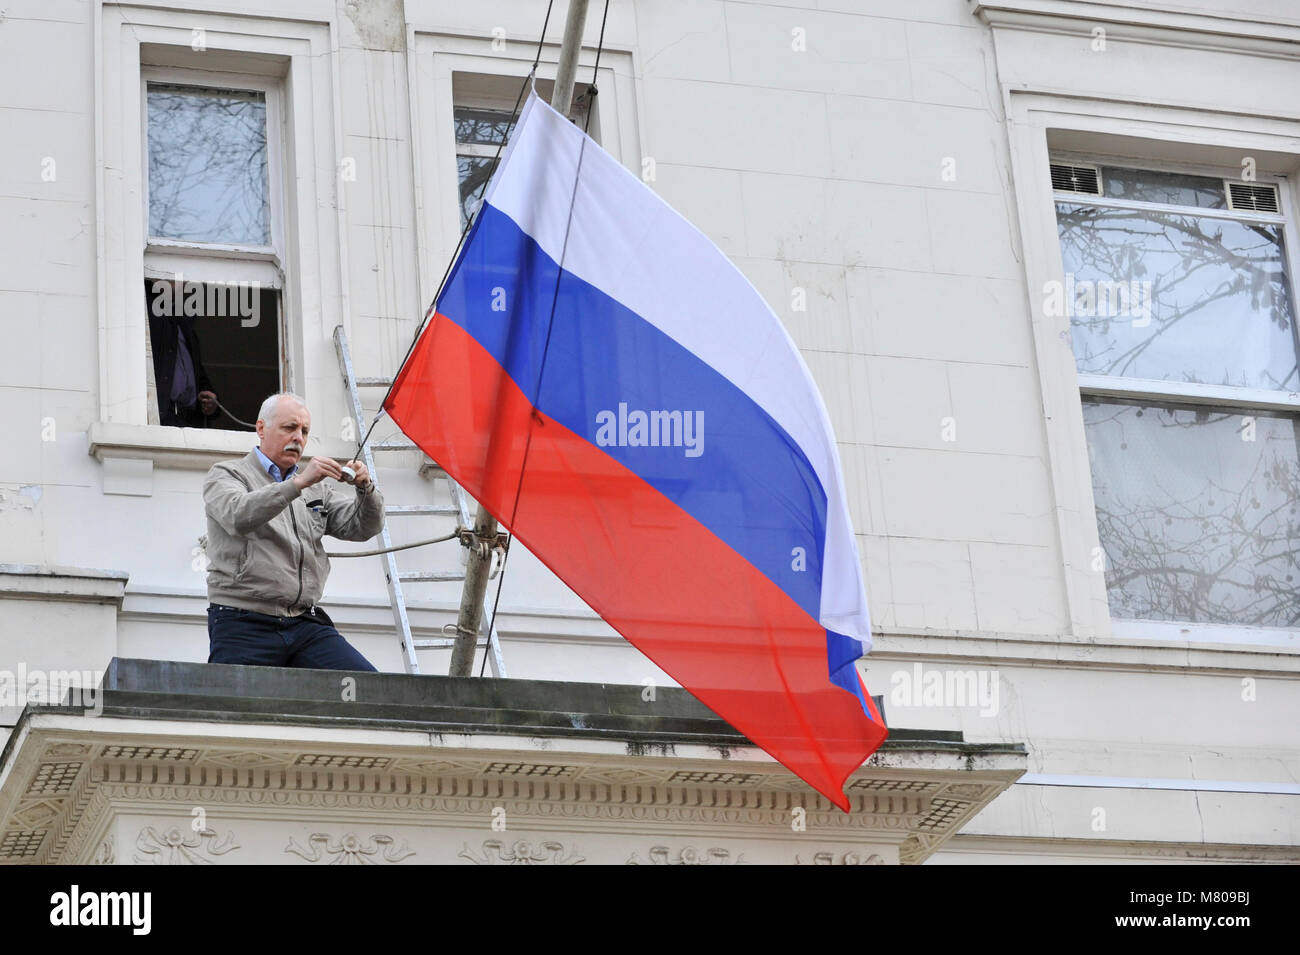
pixel 216 351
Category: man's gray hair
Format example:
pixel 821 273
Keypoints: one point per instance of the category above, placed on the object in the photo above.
pixel 268 406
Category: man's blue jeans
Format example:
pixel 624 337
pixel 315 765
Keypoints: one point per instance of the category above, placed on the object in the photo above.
pixel 243 636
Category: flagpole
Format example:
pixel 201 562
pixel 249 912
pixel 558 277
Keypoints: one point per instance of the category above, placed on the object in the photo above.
pixel 562 96
pixel 470 617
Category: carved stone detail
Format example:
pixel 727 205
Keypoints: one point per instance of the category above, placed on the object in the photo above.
pixel 519 852
pixel 842 858
pixel 36 813
pixel 917 807
pixel 448 807
pixel 243 760
pixel 66 750
pixel 350 850
pixel 181 847
pixel 688 855
pixel 965 790
pixel 917 848
pixel 105 854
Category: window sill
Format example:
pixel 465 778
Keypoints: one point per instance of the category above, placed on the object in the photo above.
pixel 190 449
pixel 1207 634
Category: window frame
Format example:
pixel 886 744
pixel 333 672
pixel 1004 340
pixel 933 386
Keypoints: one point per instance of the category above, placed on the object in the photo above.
pixel 435 60
pixel 204 260
pixel 217 262
pixel 1194 394
pixel 293 50
pixel 501 103
pixel 1172 390
pixel 1134 136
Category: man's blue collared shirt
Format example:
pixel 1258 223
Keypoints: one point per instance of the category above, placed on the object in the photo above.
pixel 271 468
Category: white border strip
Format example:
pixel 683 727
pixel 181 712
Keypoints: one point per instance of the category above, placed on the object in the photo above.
pixel 1137 782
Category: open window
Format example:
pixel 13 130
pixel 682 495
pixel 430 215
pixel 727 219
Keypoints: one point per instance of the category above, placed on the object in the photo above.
pixel 213 269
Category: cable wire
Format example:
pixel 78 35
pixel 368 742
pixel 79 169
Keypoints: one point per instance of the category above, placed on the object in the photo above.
pixel 555 299
pixel 388 550
pixel 232 417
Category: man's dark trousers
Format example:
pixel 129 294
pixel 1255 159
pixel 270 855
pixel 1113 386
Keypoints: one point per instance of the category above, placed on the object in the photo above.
pixel 243 636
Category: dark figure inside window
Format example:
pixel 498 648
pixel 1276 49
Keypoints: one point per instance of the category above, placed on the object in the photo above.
pixel 185 395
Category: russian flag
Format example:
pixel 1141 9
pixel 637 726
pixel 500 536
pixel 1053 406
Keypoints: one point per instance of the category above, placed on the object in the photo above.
pixel 605 382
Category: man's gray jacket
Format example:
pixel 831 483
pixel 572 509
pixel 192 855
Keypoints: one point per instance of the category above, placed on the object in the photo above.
pixel 264 537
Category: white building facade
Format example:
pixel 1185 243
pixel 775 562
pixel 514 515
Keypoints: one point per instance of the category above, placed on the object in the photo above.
pixel 1040 256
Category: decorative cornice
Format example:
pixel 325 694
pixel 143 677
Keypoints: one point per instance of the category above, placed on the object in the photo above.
pixel 520 852
pixel 687 855
pixel 176 846
pixel 1146 24
pixel 105 854
pixel 351 849
pixel 73 781
pixel 865 857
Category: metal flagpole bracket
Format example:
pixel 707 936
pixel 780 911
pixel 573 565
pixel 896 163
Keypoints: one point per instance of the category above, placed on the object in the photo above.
pixel 483 544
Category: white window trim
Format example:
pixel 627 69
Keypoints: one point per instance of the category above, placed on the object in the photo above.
pixel 210 261
pixel 433 61
pixel 1169 90
pixel 295 54
pixel 1030 116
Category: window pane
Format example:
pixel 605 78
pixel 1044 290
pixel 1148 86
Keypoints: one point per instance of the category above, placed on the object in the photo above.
pixel 1169 188
pixel 1177 297
pixel 1197 512
pixel 207 165
pixel 484 126
pixel 474 172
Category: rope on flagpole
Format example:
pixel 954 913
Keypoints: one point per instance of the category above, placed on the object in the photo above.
pixel 550 325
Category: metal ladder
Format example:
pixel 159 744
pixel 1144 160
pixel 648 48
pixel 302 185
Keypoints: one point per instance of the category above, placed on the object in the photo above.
pixel 461 508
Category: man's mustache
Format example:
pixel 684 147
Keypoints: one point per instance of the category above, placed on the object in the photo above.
pixel 293 446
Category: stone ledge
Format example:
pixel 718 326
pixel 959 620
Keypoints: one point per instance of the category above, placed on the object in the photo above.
pixel 53 582
pixel 426 761
pixel 192 449
pixel 164 689
pixel 78 788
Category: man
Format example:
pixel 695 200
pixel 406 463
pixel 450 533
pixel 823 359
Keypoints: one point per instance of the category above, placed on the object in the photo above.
pixel 186 398
pixel 266 518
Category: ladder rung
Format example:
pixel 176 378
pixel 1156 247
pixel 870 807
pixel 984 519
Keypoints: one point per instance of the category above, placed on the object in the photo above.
pixel 394 446
pixel 374 382
pixel 430 576
pixel 402 510
pixel 437 643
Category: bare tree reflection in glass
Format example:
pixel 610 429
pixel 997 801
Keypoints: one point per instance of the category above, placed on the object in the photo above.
pixel 1197 522
pixel 208 165
pixel 1221 312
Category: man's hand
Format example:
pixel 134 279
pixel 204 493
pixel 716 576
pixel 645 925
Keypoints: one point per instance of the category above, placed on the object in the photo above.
pixel 362 481
pixel 207 403
pixel 316 470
